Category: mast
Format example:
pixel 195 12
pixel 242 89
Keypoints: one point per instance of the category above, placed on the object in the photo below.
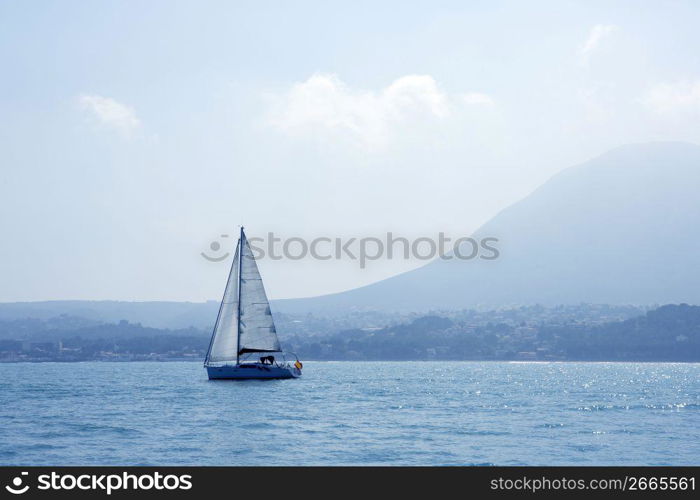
pixel 240 270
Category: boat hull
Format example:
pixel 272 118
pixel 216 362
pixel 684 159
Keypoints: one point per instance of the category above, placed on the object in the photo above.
pixel 251 371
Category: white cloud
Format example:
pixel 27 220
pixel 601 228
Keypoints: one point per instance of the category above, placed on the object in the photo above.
pixel 598 33
pixel 674 97
pixel 111 113
pixel 324 104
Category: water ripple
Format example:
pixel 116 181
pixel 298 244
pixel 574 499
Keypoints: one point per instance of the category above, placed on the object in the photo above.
pixel 347 413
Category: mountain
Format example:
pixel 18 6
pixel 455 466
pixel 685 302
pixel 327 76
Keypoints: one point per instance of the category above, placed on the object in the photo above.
pixel 621 228
pixel 149 314
pixel 618 229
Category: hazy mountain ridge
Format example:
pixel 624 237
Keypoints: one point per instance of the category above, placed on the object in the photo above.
pixel 618 229
pixel 34 320
pixel 150 314
pixel 669 333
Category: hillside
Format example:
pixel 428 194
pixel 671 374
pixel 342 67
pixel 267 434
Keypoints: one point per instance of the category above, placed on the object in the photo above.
pixel 618 229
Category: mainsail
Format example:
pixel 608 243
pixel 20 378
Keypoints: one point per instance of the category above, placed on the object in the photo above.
pixel 257 329
pixel 244 323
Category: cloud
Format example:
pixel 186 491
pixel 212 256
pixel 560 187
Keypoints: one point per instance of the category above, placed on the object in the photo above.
pixel 598 33
pixel 324 104
pixel 675 97
pixel 111 113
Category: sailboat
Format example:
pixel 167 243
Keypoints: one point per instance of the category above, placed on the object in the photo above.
pixel 244 343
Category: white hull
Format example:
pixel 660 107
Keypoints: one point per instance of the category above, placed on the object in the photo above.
pixel 252 371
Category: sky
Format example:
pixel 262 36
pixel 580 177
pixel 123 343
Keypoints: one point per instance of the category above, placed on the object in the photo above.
pixel 135 134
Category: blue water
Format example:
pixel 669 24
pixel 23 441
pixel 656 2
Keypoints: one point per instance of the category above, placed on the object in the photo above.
pixel 422 413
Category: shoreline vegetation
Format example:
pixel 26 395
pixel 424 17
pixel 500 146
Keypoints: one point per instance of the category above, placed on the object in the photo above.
pixel 669 333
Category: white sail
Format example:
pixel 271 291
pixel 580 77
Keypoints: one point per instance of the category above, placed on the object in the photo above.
pixel 224 342
pixel 257 328
pixel 254 330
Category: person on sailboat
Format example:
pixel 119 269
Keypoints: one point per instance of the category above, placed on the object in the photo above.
pixel 267 360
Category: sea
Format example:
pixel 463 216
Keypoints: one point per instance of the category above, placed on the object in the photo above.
pixel 352 413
